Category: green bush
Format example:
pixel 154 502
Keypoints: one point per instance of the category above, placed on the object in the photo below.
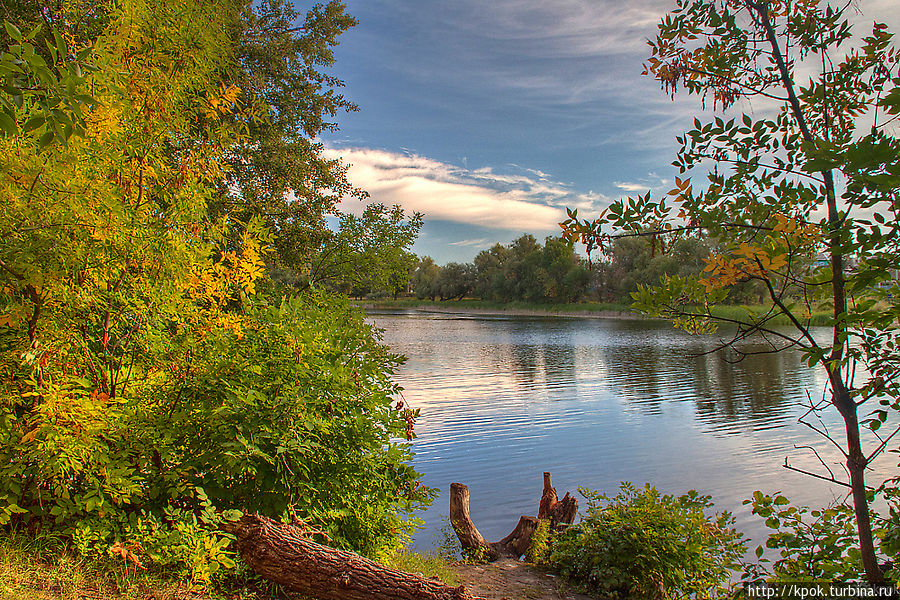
pixel 641 542
pixel 539 549
pixel 291 416
pixel 820 544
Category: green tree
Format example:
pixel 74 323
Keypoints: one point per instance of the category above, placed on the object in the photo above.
pixel 489 272
pixel 146 383
pixel 278 171
pixel 424 278
pixel 527 271
pixel 369 253
pixel 772 201
pixel 455 281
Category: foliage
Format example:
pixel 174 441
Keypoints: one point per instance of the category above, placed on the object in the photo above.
pixel 424 278
pixel 772 202
pixel 148 389
pixel 48 88
pixel 538 551
pixel 813 544
pixel 279 172
pixel 527 271
pixel 641 543
pixel 369 253
pixel 820 544
pixel 455 281
pixel 630 263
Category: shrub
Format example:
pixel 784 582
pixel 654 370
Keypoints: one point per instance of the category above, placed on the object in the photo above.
pixel 641 543
pixel 291 416
pixel 820 544
pixel 539 549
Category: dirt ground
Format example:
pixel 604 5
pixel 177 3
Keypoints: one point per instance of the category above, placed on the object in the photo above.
pixel 509 579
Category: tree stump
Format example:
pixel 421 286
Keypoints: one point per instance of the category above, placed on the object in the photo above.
pixel 281 553
pixel 517 542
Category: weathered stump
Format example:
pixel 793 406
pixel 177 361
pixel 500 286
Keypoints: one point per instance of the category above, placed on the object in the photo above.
pixel 281 553
pixel 559 512
pixel 517 542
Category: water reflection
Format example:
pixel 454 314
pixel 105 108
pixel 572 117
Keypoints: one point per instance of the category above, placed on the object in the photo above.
pixel 597 402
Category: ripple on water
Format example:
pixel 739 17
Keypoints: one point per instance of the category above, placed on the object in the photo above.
pixel 597 402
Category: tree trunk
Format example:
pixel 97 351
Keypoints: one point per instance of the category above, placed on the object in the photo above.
pixel 281 553
pixel 856 466
pixel 517 542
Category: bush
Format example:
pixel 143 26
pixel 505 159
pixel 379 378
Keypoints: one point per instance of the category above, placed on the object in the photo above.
pixel 820 544
pixel 291 416
pixel 640 542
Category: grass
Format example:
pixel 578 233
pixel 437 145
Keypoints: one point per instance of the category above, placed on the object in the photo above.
pixel 42 568
pixel 427 565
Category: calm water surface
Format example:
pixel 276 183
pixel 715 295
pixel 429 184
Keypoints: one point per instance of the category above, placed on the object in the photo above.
pixel 596 402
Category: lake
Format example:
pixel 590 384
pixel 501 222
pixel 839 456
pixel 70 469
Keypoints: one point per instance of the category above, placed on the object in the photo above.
pixel 599 401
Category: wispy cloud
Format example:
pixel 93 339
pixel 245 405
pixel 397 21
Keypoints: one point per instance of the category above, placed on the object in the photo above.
pixel 651 181
pixel 631 187
pixel 479 243
pixel 512 201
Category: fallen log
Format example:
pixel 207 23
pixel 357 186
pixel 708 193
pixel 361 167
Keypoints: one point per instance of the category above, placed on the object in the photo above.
pixel 558 512
pixel 283 554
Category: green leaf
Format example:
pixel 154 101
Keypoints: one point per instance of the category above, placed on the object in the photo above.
pixel 46 138
pixel 13 31
pixel 8 125
pixel 33 123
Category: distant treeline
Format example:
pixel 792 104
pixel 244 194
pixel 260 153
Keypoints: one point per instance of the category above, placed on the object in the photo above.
pixel 552 272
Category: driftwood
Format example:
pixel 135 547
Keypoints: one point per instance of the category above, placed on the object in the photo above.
pixel 558 512
pixel 283 554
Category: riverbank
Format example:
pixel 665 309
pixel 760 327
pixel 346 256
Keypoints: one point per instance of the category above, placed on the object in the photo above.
pixel 591 310
pixel 30 570
pixel 512 309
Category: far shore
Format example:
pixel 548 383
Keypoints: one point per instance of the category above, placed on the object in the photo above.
pixel 469 307
pixel 584 310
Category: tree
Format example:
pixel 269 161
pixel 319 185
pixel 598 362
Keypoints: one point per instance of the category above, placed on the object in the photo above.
pixel 278 170
pixel 529 272
pixel 489 270
pixel 147 386
pixel 369 253
pixel 424 278
pixel 773 198
pixel 455 281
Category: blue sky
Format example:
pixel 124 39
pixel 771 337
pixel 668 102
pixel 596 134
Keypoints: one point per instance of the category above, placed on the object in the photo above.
pixel 492 116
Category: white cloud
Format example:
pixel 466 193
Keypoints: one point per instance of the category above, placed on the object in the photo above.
pixel 446 192
pixel 629 186
pixel 479 243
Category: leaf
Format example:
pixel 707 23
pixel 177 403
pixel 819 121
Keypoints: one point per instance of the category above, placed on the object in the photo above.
pixel 33 123
pixel 46 138
pixel 8 125
pixel 13 31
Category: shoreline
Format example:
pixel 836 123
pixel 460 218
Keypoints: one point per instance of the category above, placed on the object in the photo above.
pixel 510 312
pixel 727 313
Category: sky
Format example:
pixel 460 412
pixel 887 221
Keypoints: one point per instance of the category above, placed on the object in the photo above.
pixel 491 117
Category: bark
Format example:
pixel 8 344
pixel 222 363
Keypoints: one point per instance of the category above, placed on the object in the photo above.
pixel 559 512
pixel 471 540
pixel 517 542
pixel 856 460
pixel 283 554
